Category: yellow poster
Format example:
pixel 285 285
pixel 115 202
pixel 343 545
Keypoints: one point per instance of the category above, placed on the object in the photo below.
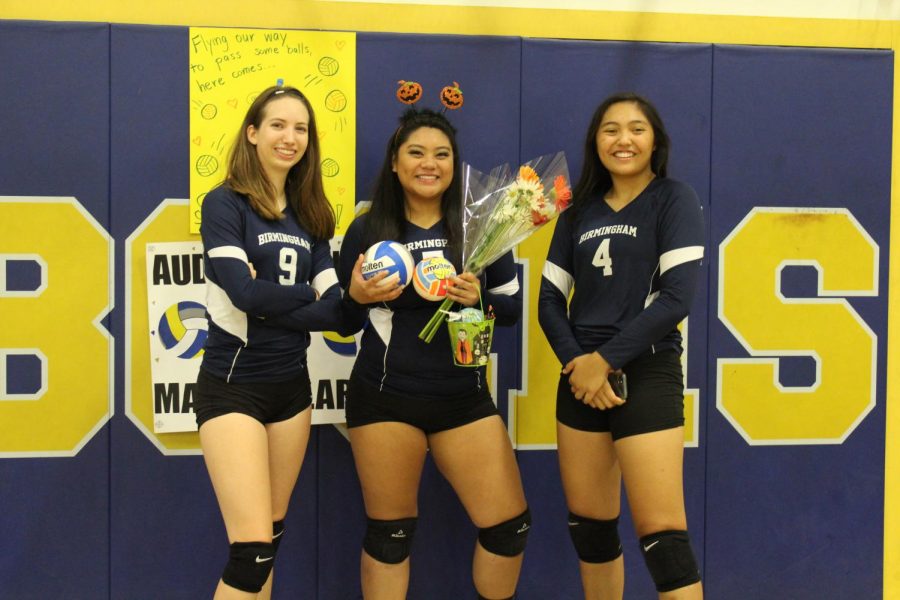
pixel 229 67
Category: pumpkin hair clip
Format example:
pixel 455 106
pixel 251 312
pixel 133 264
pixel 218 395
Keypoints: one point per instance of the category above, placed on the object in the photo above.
pixel 409 92
pixel 451 97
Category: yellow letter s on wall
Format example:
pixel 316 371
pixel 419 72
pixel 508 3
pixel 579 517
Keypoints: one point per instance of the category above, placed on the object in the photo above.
pixel 769 325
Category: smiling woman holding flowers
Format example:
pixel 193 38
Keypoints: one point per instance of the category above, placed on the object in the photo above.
pixel 631 246
pixel 406 396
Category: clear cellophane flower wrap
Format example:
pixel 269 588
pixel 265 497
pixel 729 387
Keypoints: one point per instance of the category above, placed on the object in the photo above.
pixel 501 209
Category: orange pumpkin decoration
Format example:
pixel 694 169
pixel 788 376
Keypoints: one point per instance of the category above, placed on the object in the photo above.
pixel 452 96
pixel 409 92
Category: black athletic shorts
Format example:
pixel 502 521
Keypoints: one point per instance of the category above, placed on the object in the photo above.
pixel 655 399
pixel 265 402
pixel 367 405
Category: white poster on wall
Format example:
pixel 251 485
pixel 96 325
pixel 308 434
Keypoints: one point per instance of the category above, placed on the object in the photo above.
pixel 176 297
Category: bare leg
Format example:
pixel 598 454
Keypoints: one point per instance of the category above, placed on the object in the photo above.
pixel 652 470
pixel 389 459
pixel 235 448
pixel 478 461
pixel 287 448
pixel 592 482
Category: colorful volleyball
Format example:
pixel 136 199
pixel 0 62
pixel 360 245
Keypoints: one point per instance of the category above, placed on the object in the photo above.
pixel 183 329
pixel 391 257
pixel 432 276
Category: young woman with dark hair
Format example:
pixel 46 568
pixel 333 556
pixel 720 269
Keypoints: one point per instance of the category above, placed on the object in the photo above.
pixel 631 247
pixel 407 397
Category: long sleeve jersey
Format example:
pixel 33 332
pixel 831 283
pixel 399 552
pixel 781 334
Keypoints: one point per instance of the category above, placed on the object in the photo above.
pixel 245 341
pixel 633 271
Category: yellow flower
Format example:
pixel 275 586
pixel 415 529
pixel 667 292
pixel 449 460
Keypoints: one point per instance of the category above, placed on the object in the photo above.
pixel 526 173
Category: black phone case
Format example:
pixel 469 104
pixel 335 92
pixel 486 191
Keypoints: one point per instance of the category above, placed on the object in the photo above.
pixel 619 384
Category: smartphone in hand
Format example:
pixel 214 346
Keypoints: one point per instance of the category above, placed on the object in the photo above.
pixel 619 384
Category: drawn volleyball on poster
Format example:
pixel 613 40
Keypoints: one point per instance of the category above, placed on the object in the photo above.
pixel 339 344
pixel 182 329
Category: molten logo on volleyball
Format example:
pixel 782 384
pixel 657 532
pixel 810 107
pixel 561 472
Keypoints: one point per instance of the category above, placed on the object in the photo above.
pixel 183 329
pixel 432 276
pixel 391 257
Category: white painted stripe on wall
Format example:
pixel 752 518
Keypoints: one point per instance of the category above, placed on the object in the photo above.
pixel 812 9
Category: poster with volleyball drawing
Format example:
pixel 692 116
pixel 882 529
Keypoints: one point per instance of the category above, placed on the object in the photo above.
pixel 176 301
pixel 227 68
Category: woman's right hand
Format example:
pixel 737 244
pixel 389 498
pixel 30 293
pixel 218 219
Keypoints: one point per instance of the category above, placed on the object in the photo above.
pixel 367 291
pixel 588 378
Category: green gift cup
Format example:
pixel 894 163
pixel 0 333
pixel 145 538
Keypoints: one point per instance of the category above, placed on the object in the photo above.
pixel 471 341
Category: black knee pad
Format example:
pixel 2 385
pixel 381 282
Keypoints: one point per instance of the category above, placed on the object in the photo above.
pixel 277 532
pixel 389 541
pixel 507 538
pixel 595 540
pixel 249 565
pixel 670 559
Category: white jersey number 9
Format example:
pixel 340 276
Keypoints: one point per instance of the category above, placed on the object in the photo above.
pixel 287 262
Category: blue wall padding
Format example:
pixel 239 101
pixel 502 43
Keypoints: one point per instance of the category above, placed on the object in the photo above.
pixel 799 127
pixel 54 117
pixel 101 112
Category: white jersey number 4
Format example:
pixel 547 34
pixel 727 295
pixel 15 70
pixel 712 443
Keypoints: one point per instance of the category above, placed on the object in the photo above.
pixel 602 259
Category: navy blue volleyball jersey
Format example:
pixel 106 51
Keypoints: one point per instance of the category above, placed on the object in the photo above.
pixel 392 357
pixel 291 267
pixel 634 272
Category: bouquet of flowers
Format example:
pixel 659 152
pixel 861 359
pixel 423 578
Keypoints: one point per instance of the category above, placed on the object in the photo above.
pixel 502 208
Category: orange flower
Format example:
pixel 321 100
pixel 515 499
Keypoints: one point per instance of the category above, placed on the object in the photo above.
pixel 563 193
pixel 526 173
pixel 538 218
